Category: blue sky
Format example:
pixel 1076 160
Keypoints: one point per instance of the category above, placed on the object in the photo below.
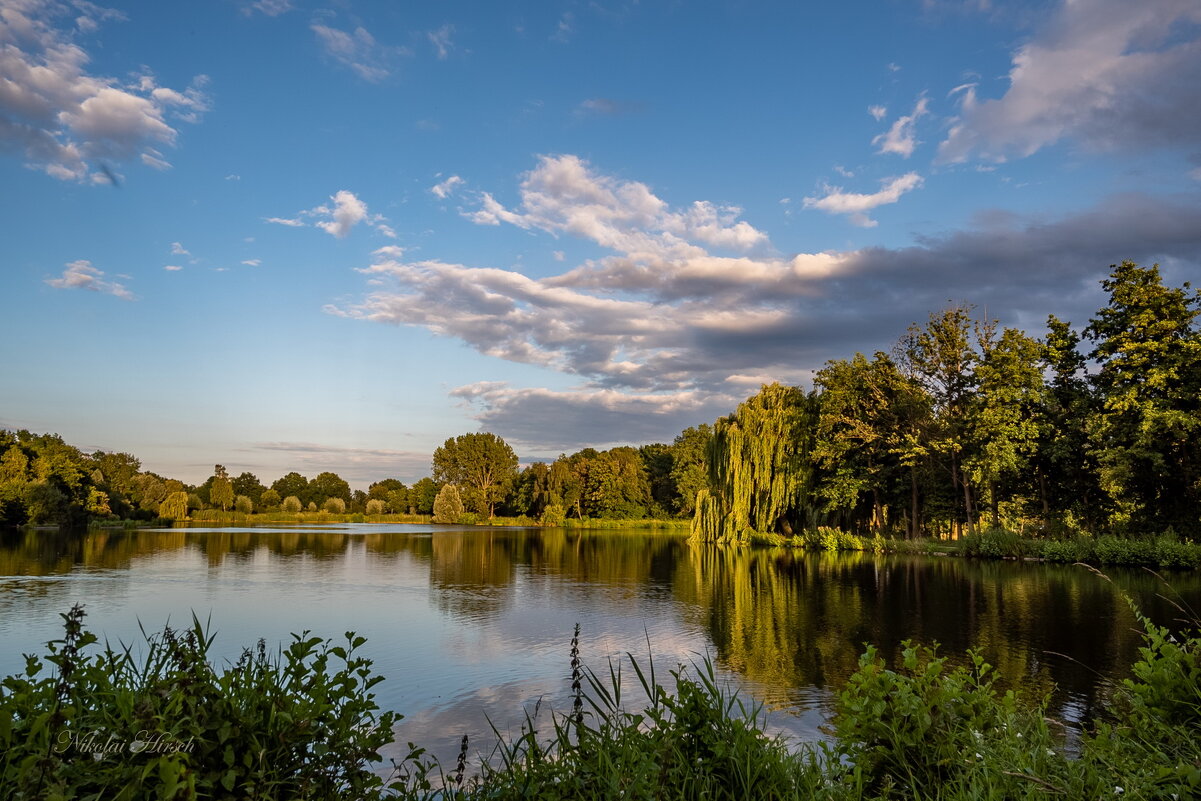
pixel 281 235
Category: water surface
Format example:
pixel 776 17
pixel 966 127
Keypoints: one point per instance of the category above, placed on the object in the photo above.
pixel 471 625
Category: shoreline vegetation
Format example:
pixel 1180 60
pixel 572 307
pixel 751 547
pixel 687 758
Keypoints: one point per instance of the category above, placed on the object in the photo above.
pixel 302 722
pixel 1083 444
pixel 1163 552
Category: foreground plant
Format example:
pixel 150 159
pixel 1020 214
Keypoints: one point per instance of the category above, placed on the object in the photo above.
pixel 299 724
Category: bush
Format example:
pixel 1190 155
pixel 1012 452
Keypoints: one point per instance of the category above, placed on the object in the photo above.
pixel 301 724
pixel 334 506
pixel 553 515
pixel 1066 551
pixel 994 543
pixel 292 505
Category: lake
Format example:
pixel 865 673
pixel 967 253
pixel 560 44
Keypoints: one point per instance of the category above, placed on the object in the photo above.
pixel 474 624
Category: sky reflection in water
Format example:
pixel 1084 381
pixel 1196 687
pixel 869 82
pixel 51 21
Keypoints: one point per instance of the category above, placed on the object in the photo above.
pixel 475 625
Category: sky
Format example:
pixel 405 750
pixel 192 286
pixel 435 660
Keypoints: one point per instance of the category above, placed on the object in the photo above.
pixel 282 235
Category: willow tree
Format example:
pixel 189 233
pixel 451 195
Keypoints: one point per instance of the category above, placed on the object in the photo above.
pixel 760 469
pixel 175 506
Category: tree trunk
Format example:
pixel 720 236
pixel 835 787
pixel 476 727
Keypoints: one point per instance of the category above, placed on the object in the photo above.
pixel 914 527
pixel 971 507
pixel 992 493
pixel 1042 492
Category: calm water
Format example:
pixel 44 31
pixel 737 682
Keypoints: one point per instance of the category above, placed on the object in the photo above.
pixel 472 625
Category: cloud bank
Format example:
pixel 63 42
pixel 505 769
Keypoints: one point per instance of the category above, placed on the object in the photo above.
pixel 1107 74
pixel 665 330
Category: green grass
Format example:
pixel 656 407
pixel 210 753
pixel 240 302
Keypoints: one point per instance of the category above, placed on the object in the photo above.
pixel 1164 551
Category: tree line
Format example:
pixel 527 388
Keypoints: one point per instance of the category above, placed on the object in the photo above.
pixel 965 424
pixel 45 481
pixel 961 424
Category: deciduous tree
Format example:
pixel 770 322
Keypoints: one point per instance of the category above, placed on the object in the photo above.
pixel 482 465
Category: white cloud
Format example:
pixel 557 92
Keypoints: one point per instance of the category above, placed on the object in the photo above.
pixel 445 189
pixel 878 112
pixel 270 8
pixel 440 39
pixel 1103 73
pixel 358 51
pixel 68 122
pixel 836 201
pixel 558 255
pixel 564 195
pixel 347 212
pixel 901 138
pixel 172 268
pixel 843 171
pixel 233 177
pixel 177 249
pixel 82 275
pixel 252 262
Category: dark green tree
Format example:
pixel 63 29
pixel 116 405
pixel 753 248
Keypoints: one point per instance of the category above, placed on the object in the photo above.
pixel 292 484
pixel 942 358
pixel 1148 427
pixel 862 434
pixel 616 486
pixel 689 470
pixel 1004 421
pixel 657 463
pixel 328 485
pixel 248 484
pixel 1066 469
pixel 482 466
pixel 422 496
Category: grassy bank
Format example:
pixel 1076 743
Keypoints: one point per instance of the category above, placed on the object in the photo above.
pixel 1164 551
pixel 303 723
pixel 259 518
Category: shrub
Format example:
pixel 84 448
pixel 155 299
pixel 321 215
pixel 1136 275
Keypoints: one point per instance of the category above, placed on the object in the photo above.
pixel 300 724
pixel 375 507
pixel 552 515
pixel 1064 550
pixel 244 505
pixel 993 543
pixel 292 505
pixel 334 506
pixel 448 505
